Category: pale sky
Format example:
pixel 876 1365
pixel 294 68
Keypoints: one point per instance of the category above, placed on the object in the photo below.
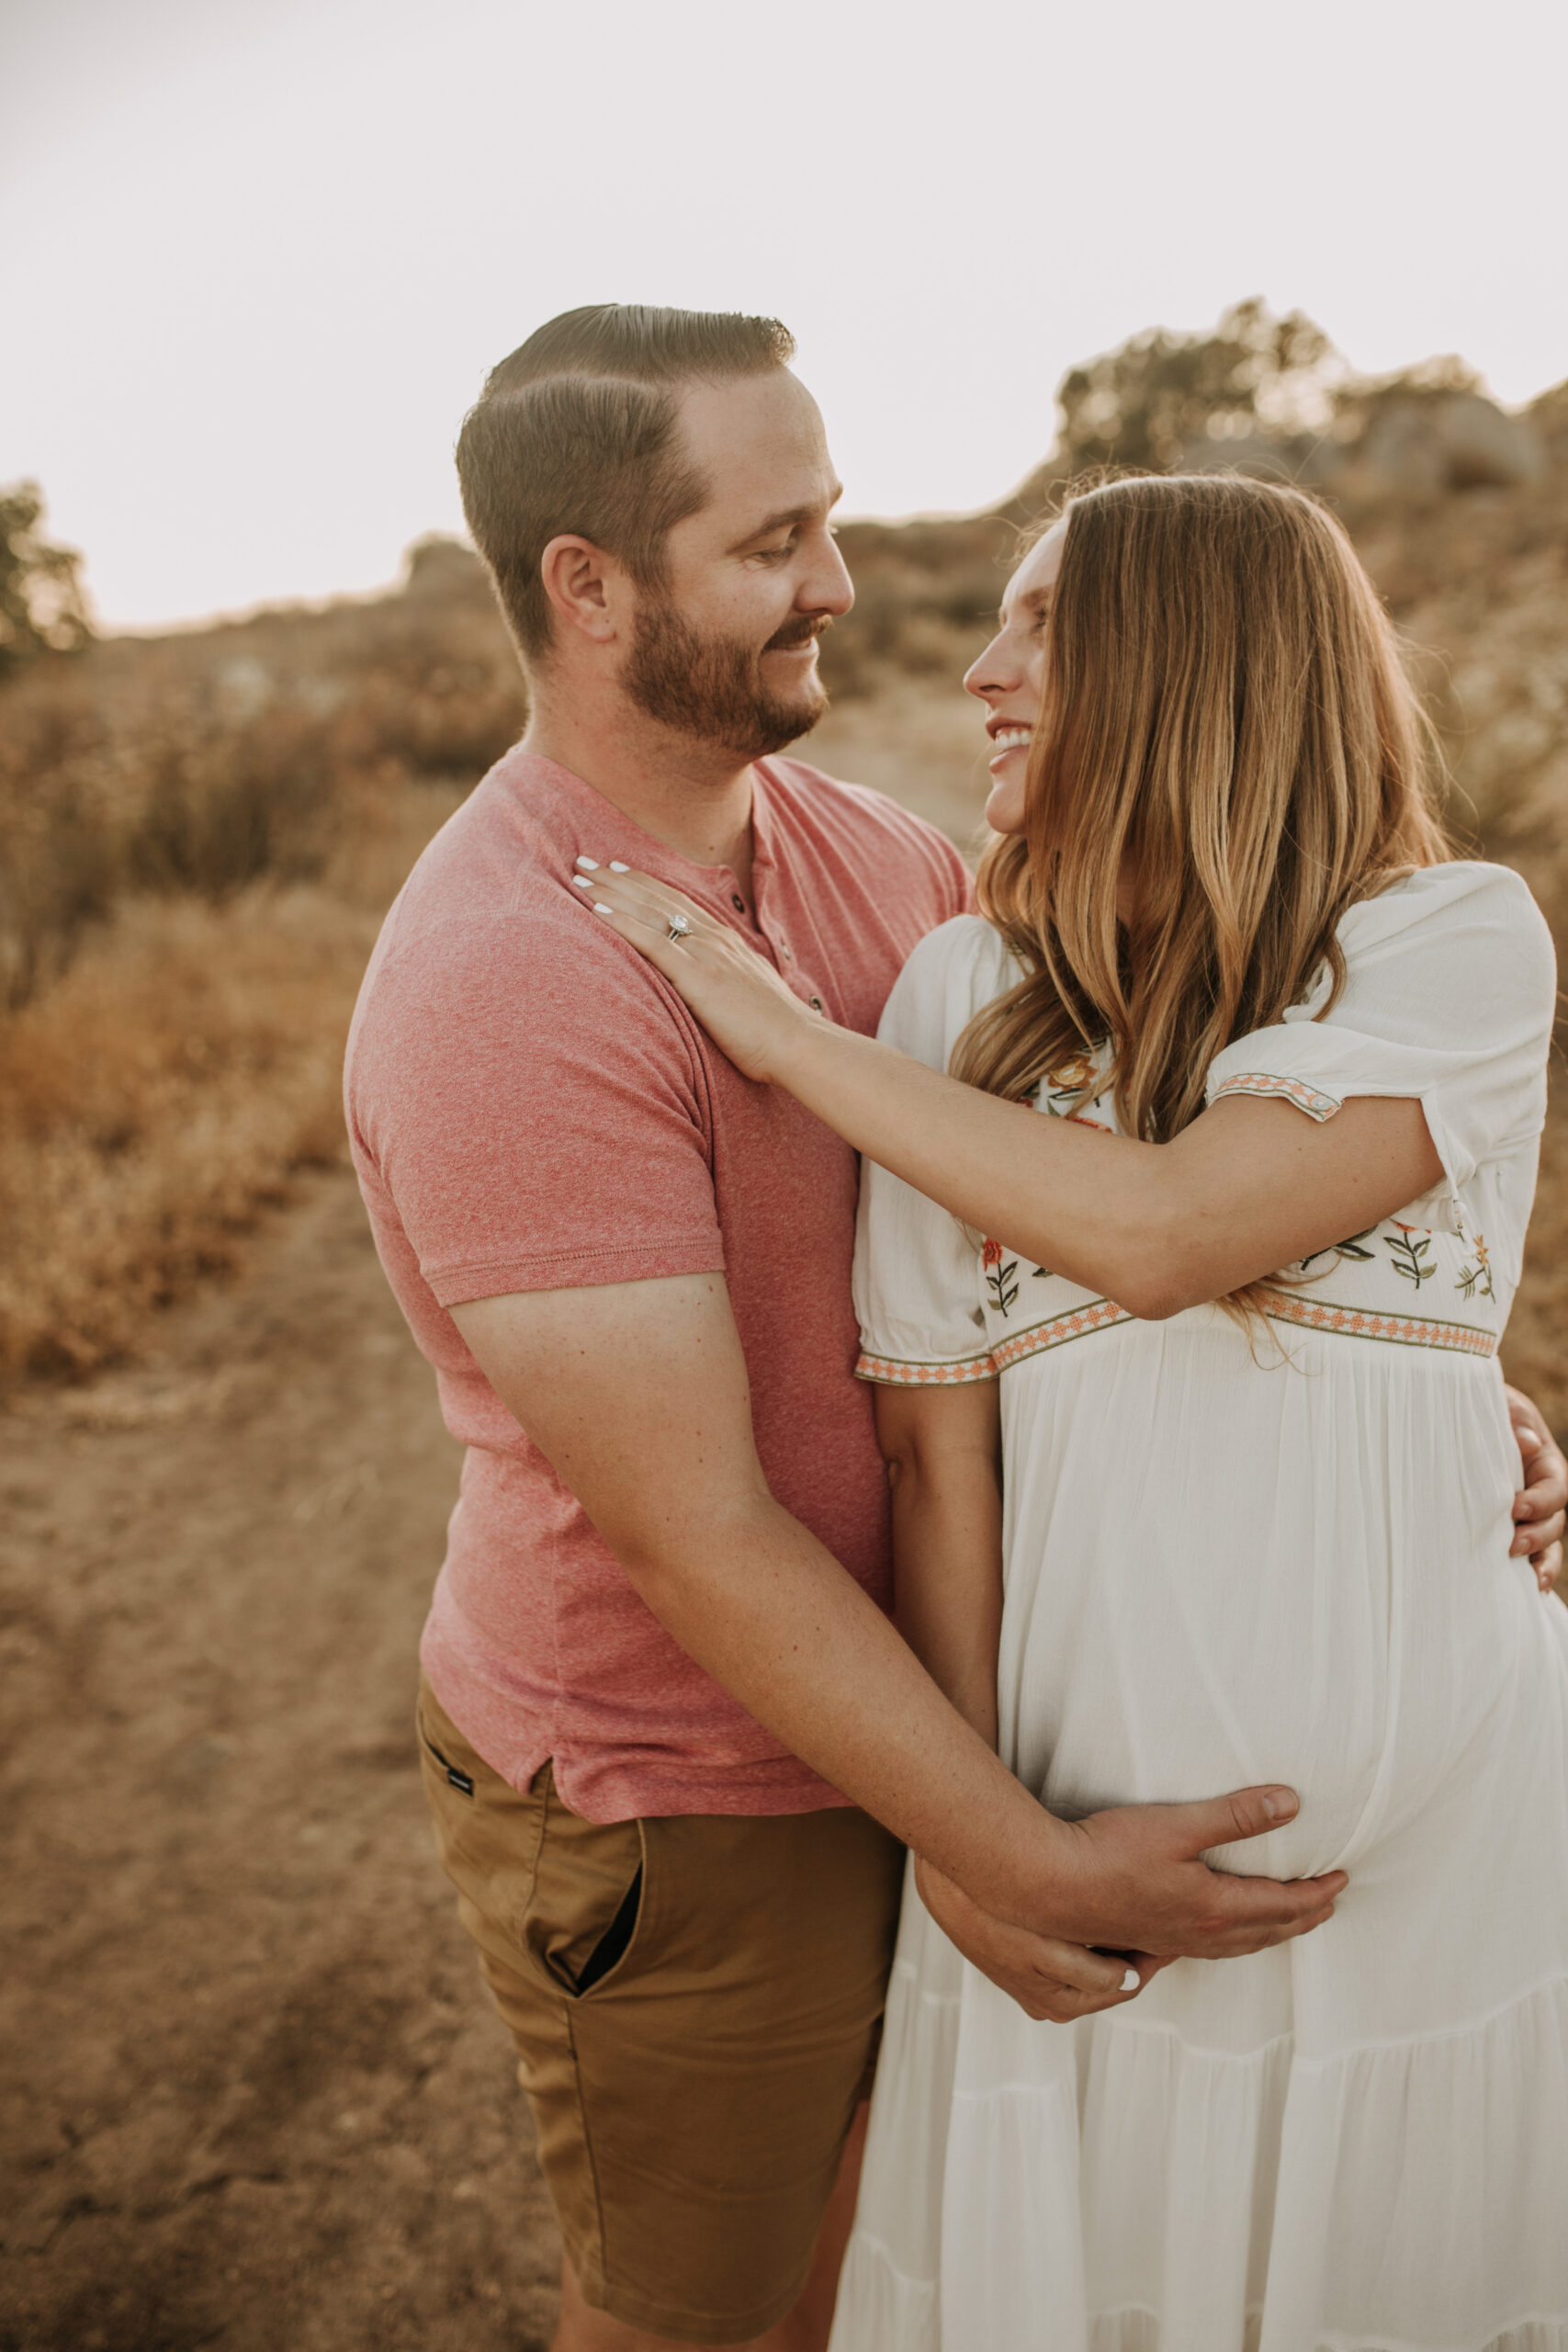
pixel 261 253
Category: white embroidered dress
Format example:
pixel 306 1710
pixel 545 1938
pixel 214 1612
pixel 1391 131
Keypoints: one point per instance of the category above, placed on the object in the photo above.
pixel 1225 1568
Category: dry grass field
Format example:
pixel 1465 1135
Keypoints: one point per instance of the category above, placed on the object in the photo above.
pixel 199 833
pixel 254 2097
pixel 199 837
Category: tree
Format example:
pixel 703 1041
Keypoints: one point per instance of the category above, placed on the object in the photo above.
pixel 42 608
pixel 1140 406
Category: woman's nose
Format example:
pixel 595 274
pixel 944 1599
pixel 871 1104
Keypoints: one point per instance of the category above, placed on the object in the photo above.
pixel 991 674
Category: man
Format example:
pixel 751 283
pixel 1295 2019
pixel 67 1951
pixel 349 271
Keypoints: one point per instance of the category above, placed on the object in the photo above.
pixel 672 1744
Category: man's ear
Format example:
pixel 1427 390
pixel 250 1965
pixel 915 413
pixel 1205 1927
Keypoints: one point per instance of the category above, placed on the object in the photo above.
pixel 587 590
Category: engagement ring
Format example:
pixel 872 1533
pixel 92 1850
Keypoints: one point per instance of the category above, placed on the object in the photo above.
pixel 679 927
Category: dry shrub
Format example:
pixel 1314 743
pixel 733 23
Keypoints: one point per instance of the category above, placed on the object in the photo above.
pixel 210 824
pixel 166 1087
pixel 154 1100
pixel 198 837
pixel 205 762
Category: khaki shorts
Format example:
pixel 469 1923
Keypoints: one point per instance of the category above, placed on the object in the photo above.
pixel 696 2001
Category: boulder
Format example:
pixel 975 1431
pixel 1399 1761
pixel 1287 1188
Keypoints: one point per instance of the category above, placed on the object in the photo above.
pixel 1423 445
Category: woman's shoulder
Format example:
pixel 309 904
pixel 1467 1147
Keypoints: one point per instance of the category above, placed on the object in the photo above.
pixel 956 970
pixel 1465 928
pixel 1464 893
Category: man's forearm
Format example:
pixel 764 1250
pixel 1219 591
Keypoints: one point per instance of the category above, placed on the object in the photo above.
pixel 769 1612
pixel 774 1617
pixel 637 1395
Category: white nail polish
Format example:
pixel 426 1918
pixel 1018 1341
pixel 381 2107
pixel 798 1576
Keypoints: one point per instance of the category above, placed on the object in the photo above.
pixel 1130 1981
pixel 600 908
pixel 618 867
pixel 581 882
pixel 590 863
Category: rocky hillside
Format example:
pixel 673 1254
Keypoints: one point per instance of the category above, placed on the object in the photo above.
pixel 198 832
pixel 1460 513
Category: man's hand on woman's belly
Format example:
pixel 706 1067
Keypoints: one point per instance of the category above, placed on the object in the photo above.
pixel 1539 1508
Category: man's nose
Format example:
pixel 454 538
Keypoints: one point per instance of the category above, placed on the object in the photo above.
pixel 828 587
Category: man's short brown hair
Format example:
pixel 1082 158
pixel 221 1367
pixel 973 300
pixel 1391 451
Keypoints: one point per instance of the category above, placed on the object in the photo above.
pixel 576 431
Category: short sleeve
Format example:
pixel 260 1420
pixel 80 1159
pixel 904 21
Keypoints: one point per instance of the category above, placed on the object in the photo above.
pixel 520 1140
pixel 917 1282
pixel 1450 996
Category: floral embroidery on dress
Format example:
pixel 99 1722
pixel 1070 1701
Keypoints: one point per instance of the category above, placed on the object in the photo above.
pixel 1410 1255
pixel 1069 1084
pixel 1001 1274
pixel 1476 1274
pixel 1351 1248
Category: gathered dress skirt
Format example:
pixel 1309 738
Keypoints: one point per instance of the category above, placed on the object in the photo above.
pixel 1233 1558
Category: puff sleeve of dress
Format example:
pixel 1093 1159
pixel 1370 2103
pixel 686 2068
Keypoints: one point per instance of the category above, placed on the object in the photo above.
pixel 1449 995
pixel 917 1279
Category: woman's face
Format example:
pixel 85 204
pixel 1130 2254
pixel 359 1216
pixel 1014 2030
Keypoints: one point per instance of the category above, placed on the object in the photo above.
pixel 1009 676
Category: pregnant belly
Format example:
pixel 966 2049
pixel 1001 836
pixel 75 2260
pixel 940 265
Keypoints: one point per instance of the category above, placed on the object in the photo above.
pixel 1304 1593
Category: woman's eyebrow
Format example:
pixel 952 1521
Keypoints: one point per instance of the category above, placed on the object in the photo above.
pixel 1034 600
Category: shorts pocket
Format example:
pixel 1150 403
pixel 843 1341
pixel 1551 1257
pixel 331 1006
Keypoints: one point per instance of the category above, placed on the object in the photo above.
pixel 588 1897
pixel 455 1777
pixel 616 1941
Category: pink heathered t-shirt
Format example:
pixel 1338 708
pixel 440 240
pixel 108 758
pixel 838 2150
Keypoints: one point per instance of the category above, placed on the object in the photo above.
pixel 532 1107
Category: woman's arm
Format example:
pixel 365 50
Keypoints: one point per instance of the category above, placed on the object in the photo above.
pixel 1250 1186
pixel 943 1450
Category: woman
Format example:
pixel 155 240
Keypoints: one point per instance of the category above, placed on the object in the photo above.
pixel 1234 1306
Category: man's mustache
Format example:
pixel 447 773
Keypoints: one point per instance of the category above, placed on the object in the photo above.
pixel 795 633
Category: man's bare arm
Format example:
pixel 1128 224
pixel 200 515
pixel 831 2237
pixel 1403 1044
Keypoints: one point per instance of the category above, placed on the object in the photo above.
pixel 637 1394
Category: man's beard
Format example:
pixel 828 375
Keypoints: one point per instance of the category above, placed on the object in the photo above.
pixel 712 688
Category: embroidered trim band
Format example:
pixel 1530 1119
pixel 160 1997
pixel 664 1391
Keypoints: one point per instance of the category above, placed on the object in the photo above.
pixel 1310 1315
pixel 1306 1098
pixel 1364 1323
pixel 888 1372
pixel 1074 1325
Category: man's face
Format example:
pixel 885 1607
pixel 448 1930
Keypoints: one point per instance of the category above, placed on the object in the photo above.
pixel 726 650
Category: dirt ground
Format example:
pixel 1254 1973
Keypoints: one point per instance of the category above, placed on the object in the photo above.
pixel 253 2094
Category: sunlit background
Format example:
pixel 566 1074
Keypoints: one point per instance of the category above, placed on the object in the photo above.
pixel 258 257
pixel 260 253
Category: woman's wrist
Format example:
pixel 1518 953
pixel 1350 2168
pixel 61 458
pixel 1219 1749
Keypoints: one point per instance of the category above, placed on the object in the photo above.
pixel 808 1053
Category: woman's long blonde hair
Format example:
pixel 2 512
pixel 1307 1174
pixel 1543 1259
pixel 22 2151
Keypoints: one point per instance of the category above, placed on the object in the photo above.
pixel 1226 715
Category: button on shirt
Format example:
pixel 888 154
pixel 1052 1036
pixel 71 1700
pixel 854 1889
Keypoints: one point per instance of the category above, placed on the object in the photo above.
pixel 532 1107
